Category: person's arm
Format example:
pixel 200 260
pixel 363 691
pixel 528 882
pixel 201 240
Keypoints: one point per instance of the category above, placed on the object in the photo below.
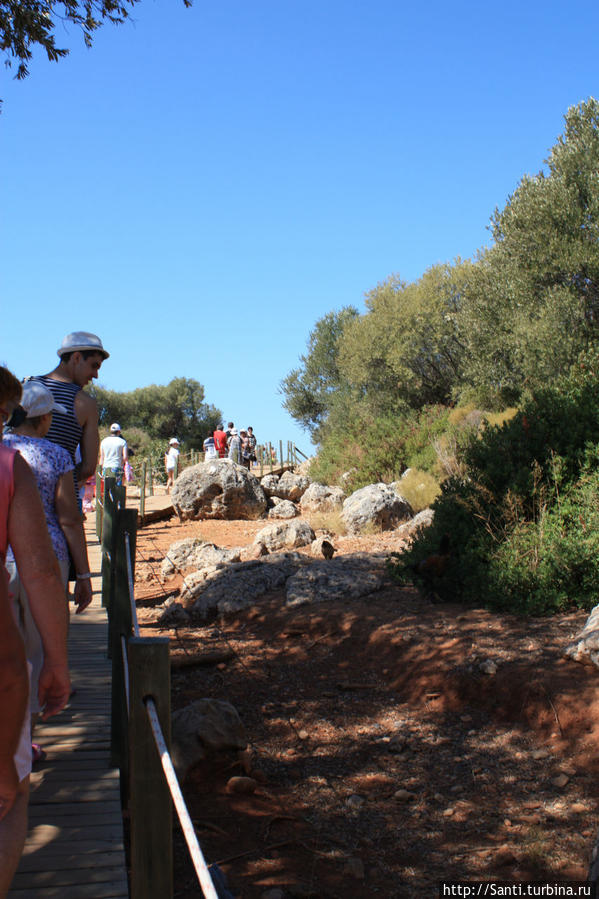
pixel 71 524
pixel 14 692
pixel 40 574
pixel 125 453
pixel 101 461
pixel 86 410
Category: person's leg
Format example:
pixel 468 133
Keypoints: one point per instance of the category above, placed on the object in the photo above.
pixel 13 830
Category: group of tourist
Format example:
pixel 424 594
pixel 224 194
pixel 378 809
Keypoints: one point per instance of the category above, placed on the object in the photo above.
pixel 48 451
pixel 239 446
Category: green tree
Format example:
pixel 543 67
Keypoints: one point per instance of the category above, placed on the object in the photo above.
pixel 309 389
pixel 406 351
pixel 533 304
pixel 27 23
pixel 161 410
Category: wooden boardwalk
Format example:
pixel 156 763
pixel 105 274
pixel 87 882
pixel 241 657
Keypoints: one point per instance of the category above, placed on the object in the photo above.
pixel 74 847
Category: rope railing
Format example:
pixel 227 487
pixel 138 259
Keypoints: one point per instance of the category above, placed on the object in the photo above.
pixel 197 858
pixel 140 702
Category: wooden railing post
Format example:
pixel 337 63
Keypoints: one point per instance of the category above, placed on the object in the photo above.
pixel 142 489
pixel 151 481
pixel 120 625
pixel 99 504
pixel 151 807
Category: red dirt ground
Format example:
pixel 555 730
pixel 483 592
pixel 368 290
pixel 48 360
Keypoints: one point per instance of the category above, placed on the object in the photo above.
pixel 386 759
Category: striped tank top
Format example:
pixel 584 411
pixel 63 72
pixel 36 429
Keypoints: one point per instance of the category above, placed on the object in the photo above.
pixel 65 429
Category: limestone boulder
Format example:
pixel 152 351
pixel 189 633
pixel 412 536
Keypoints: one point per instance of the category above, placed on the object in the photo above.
pixel 205 727
pixel 292 486
pixel 377 505
pixel 219 489
pixel 284 508
pixel 269 484
pixel 584 647
pixel 285 535
pixel 347 577
pixel 320 498
pixel 238 586
pixel 195 553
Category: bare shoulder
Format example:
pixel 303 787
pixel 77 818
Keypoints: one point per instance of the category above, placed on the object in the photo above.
pixel 86 408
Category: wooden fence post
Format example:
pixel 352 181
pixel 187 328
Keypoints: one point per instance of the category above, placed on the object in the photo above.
pixel 142 489
pixel 151 807
pixel 120 624
pixel 114 498
pixel 151 481
pixel 99 508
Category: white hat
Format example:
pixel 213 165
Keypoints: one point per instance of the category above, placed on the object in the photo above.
pixel 81 341
pixel 115 427
pixel 233 432
pixel 37 400
pixel 172 441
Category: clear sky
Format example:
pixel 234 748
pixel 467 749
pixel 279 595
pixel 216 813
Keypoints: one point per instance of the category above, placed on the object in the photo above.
pixel 204 184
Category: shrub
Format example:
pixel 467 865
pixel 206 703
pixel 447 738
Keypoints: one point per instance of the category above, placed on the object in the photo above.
pixel 419 488
pixel 523 517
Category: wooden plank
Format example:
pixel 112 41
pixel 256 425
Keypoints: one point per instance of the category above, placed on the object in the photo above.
pixel 93 874
pixel 117 889
pixel 46 859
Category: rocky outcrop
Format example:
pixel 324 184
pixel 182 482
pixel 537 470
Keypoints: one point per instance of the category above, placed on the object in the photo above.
pixel 196 553
pixel 377 505
pixel 319 498
pixel 285 536
pixel 239 585
pixel 218 489
pixel 205 727
pixel 347 577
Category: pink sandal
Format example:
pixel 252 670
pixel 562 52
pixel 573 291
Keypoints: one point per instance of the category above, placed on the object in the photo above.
pixel 38 754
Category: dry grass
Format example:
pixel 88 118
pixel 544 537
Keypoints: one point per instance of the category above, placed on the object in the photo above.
pixel 419 488
pixel 331 522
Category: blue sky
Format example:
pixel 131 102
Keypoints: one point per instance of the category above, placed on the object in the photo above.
pixel 204 184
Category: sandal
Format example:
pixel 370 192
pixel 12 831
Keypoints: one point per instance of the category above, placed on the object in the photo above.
pixel 37 753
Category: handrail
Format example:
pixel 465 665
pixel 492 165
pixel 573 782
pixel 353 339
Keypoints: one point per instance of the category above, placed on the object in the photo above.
pixel 199 863
pixel 123 624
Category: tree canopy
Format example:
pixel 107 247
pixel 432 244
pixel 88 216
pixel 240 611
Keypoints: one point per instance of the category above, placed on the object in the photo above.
pixel 161 411
pixel 25 24
pixel 487 330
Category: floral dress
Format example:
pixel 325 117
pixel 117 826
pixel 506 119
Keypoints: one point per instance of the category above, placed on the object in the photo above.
pixel 49 462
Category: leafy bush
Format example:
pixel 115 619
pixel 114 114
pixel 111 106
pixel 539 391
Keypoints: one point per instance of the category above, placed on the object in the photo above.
pixel 523 521
pixel 379 449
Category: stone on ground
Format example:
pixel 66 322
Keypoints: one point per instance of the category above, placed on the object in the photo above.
pixel 219 489
pixel 285 536
pixel 376 505
pixel 321 498
pixel 205 727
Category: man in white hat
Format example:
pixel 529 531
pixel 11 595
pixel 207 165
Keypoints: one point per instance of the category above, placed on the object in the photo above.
pixel 113 454
pixel 81 355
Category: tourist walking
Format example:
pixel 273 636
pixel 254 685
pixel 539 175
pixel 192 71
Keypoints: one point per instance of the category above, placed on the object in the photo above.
pixel 171 461
pixel 114 454
pixel 235 447
pixel 81 355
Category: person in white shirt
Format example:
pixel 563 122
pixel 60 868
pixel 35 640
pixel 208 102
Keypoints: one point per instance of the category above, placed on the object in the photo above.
pixel 170 462
pixel 113 454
